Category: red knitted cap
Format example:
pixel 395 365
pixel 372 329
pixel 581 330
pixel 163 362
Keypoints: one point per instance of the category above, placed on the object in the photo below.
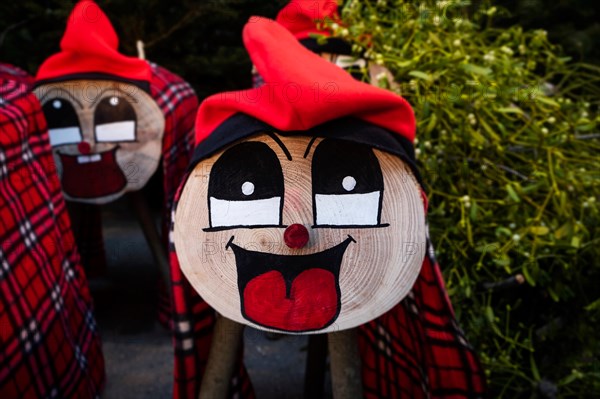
pixel 301 90
pixel 89 47
pixel 300 16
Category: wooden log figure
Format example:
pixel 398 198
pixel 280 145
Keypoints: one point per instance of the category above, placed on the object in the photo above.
pixel 106 128
pixel 299 233
pixel 113 121
pixel 315 231
pixel 303 212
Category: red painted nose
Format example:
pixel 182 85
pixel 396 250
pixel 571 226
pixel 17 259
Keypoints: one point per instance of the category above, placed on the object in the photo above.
pixel 84 147
pixel 295 236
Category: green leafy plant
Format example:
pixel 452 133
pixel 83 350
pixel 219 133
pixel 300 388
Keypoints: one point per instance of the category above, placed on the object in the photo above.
pixel 509 146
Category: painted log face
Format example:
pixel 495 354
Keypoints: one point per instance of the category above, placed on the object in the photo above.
pixel 360 208
pixel 106 137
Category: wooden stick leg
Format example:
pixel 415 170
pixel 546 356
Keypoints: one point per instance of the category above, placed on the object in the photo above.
pixel 226 341
pixel 345 365
pixel 144 217
pixel 314 376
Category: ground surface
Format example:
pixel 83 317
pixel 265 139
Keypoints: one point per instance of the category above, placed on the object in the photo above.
pixel 138 350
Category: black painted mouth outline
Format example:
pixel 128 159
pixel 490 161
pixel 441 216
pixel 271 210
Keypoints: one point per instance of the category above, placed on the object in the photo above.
pixel 251 264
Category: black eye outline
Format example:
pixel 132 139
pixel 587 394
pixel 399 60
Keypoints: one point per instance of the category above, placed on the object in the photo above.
pixel 250 161
pixel 62 117
pixel 358 72
pixel 340 159
pixel 127 110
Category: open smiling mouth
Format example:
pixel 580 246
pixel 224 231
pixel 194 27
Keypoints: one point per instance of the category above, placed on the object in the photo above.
pixel 296 293
pixel 92 176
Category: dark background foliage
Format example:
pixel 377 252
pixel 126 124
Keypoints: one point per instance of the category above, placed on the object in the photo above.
pixel 575 24
pixel 201 40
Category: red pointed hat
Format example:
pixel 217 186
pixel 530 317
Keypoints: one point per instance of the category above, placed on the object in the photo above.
pixel 89 49
pixel 301 92
pixel 301 16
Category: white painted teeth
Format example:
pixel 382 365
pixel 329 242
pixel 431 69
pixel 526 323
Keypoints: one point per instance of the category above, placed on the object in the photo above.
pixel 89 158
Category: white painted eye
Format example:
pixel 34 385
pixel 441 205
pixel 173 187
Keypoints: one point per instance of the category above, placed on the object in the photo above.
pixel 63 122
pixel 349 183
pixel 348 209
pixel 245 188
pixel 347 61
pixel 261 212
pixel 114 101
pixel 64 135
pixel 248 188
pixel 116 131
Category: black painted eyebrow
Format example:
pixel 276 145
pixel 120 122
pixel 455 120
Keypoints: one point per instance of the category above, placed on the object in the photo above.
pixel 280 143
pixel 69 95
pixel 308 147
pixel 101 97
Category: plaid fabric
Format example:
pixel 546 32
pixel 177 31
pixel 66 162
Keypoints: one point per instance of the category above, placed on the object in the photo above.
pixel 178 102
pixel 49 347
pixel 415 350
pixel 193 323
pixel 12 72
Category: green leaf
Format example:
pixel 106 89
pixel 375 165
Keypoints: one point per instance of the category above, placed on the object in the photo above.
pixel 534 369
pixel 488 248
pixel 564 230
pixel 553 294
pixel 492 134
pixel 476 70
pixel 434 38
pixel 539 230
pixel 547 101
pixel 512 193
pixel 489 314
pixel 431 124
pixel 421 75
pixel 585 127
pixel 503 230
pixel 593 306
pixel 473 211
pixel 511 110
pixel 527 274
pixel 504 262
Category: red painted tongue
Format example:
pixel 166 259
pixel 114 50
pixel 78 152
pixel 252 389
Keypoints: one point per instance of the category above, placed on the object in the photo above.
pixel 312 305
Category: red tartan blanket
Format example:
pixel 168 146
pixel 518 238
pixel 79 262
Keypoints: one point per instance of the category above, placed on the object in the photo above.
pixel 178 102
pixel 49 346
pixel 193 323
pixel 416 350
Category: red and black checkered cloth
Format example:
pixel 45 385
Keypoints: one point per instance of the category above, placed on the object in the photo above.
pixel 179 104
pixel 416 350
pixel 193 324
pixel 49 346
